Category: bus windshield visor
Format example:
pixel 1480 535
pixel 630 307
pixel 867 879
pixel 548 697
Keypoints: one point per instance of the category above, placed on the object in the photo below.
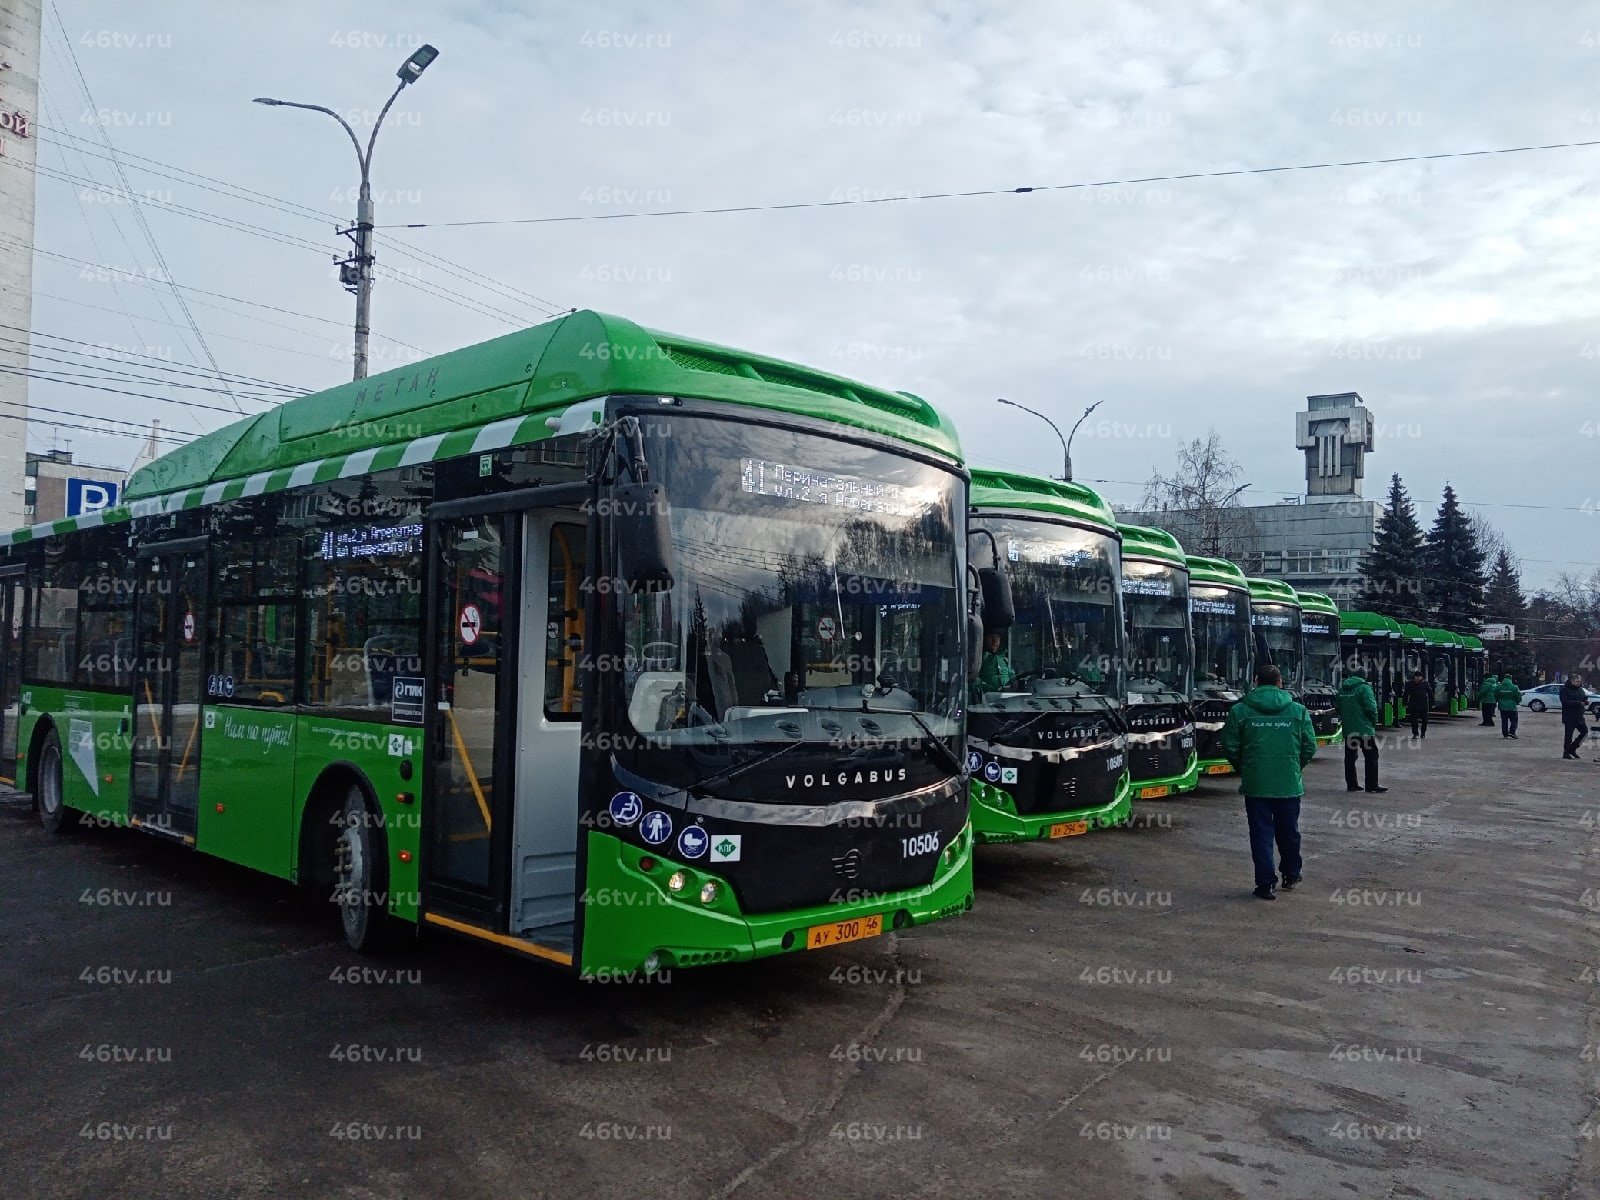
pixel 813 577
pixel 1221 618
pixel 1156 597
pixel 1067 639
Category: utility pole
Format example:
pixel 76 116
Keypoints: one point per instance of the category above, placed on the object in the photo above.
pixel 355 272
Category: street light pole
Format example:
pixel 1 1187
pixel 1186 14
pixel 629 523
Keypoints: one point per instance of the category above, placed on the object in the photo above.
pixel 1066 439
pixel 355 272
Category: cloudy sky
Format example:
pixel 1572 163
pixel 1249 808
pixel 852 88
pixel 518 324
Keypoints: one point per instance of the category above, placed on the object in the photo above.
pixel 1457 296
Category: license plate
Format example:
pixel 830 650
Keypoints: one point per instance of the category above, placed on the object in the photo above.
pixel 1150 793
pixel 1069 828
pixel 837 933
pixel 1218 769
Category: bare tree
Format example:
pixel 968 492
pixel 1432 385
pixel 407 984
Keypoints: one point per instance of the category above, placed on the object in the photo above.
pixel 1199 502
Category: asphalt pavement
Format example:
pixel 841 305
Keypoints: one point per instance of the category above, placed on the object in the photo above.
pixel 1117 1018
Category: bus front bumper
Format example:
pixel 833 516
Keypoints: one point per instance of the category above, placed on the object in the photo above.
pixel 994 819
pixel 1170 785
pixel 634 925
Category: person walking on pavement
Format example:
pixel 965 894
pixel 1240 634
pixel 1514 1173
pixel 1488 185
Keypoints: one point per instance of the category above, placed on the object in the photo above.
pixel 1508 695
pixel 1269 739
pixel 1486 697
pixel 1358 714
pixel 1419 698
pixel 1574 700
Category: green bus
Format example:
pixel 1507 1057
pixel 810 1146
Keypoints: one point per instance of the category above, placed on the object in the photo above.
pixel 1446 669
pixel 1046 741
pixel 1473 657
pixel 613 648
pixel 1319 663
pixel 1162 760
pixel 1224 652
pixel 1275 628
pixel 1370 645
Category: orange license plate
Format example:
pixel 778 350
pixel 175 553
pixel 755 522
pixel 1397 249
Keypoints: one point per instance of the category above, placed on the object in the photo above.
pixel 1150 793
pixel 837 933
pixel 1069 828
pixel 1218 769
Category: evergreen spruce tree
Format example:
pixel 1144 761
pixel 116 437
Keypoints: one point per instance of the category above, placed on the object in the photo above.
pixel 1503 602
pixel 1452 560
pixel 1391 572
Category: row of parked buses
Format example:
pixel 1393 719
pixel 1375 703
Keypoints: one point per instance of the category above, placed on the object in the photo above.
pixel 627 651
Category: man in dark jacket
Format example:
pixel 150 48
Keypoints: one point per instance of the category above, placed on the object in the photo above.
pixel 1574 701
pixel 1419 698
pixel 1268 738
pixel 1508 696
pixel 1486 697
pixel 1358 715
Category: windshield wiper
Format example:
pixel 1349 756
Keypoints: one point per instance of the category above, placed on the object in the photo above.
pixel 949 755
pixel 738 769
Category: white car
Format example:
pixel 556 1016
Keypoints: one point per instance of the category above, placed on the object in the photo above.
pixel 1548 695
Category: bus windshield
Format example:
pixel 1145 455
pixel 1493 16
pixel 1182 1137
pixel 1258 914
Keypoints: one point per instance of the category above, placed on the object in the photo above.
pixel 1277 630
pixel 1321 642
pixel 1156 597
pixel 812 576
pixel 1222 651
pixel 1068 636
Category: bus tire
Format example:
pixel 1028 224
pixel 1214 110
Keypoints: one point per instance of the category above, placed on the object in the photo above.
pixel 49 794
pixel 361 875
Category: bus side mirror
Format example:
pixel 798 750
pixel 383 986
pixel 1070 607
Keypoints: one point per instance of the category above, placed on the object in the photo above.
pixel 974 645
pixel 999 611
pixel 642 527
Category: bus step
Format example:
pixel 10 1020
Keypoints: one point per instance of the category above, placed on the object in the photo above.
pixel 551 937
pixel 11 800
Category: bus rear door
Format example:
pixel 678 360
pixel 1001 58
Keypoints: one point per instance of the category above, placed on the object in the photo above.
pixel 169 631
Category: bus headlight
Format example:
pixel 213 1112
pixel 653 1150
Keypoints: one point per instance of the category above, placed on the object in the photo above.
pixel 708 892
pixel 677 881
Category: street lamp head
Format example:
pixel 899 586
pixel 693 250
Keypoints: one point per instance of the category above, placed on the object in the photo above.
pixel 411 70
pixel 265 100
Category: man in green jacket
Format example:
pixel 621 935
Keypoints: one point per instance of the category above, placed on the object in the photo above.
pixel 1508 696
pixel 996 670
pixel 1268 738
pixel 1358 715
pixel 1486 697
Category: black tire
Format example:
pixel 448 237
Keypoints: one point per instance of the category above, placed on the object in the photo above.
pixel 49 797
pixel 361 877
pixel 1535 705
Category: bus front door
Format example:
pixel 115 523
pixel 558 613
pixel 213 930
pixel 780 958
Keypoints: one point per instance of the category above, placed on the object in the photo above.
pixel 11 602
pixel 169 630
pixel 545 839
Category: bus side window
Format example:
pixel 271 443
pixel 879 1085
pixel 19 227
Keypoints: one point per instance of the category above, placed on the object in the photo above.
pixel 564 628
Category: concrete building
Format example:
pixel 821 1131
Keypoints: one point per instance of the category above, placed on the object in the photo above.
pixel 1314 542
pixel 20 22
pixel 57 487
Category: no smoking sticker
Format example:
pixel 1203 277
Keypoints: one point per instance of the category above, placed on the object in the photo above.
pixel 827 629
pixel 188 627
pixel 471 623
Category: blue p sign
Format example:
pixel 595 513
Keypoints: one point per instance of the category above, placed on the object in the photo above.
pixel 89 495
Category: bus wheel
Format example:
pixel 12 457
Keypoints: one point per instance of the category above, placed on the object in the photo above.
pixel 47 782
pixel 359 875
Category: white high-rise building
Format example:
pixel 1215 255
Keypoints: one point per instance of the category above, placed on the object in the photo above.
pixel 20 22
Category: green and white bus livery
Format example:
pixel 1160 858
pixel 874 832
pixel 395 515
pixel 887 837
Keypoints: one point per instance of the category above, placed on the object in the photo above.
pixel 1224 656
pixel 1162 759
pixel 1046 739
pixel 616 649
pixel 1319 663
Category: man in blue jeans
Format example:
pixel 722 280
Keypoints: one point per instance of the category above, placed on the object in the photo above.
pixel 1269 738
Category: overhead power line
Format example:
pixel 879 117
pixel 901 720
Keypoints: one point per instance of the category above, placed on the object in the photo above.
pixel 908 197
pixel 222 187
pixel 137 211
